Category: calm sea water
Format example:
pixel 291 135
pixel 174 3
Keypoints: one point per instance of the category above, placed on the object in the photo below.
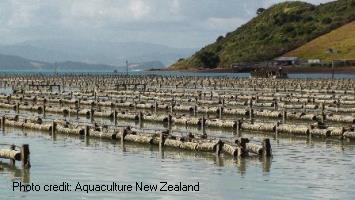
pixel 300 169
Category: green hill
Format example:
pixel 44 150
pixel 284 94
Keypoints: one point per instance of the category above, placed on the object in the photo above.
pixel 274 32
pixel 341 40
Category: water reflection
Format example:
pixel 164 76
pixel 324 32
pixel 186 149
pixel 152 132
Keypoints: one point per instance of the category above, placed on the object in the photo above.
pixel 310 162
pixel 15 173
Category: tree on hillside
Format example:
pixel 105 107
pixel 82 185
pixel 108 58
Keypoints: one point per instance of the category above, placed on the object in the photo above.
pixel 208 59
pixel 327 20
pixel 220 38
pixel 260 10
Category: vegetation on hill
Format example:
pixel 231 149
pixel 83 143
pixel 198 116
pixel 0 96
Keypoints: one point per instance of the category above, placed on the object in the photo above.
pixel 274 32
pixel 341 41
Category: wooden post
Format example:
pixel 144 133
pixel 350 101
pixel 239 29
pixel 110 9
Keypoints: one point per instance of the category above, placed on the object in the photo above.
pixel 161 140
pixel 242 142
pixel 54 128
pixel 124 133
pixel 195 110
pixel 322 117
pixel 17 107
pixel 276 128
pixel 12 161
pixel 115 117
pixel 25 156
pixel 44 111
pixel 155 106
pixel 77 113
pixel 284 116
pixel 238 126
pixel 169 121
pixel 3 123
pixel 266 147
pixel 322 113
pixel 219 147
pixel 251 111
pixel 87 131
pixel 79 103
pixel 92 115
pixel 203 123
pixel 140 119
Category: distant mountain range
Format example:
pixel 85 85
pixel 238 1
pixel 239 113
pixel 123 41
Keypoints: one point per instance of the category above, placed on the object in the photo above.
pixel 17 63
pixel 94 52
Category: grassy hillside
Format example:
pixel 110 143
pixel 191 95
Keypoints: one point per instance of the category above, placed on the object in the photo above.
pixel 342 40
pixel 275 31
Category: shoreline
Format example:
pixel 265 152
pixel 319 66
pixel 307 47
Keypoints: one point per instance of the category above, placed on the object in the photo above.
pixel 290 70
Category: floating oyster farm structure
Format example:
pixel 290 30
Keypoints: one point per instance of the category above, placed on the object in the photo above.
pixel 99 106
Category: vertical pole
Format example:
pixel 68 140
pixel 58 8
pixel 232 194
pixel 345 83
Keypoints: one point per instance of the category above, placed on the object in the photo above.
pixel 3 123
pixel 332 69
pixel 238 126
pixel 266 147
pixel 44 111
pixel 242 147
pixel 17 107
pixel 251 109
pixel 277 128
pixel 140 118
pixel 219 147
pixel 155 106
pixel 171 108
pixel 92 115
pixel 25 156
pixel 87 131
pixel 12 161
pixel 220 112
pixel 322 113
pixel 161 140
pixel 124 133
pixel 203 123
pixel 284 116
pixel 251 114
pixel 115 117
pixel 54 127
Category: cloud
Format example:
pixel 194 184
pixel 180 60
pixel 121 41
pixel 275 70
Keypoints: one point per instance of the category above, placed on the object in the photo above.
pixel 224 23
pixel 139 8
pixel 172 22
pixel 175 7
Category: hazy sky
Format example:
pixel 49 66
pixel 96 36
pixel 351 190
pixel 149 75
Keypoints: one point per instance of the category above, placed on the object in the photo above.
pixel 178 23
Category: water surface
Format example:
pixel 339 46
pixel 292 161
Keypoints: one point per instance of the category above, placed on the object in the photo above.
pixel 301 168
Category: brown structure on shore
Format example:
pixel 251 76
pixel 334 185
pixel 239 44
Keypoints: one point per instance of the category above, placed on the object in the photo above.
pixel 268 73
